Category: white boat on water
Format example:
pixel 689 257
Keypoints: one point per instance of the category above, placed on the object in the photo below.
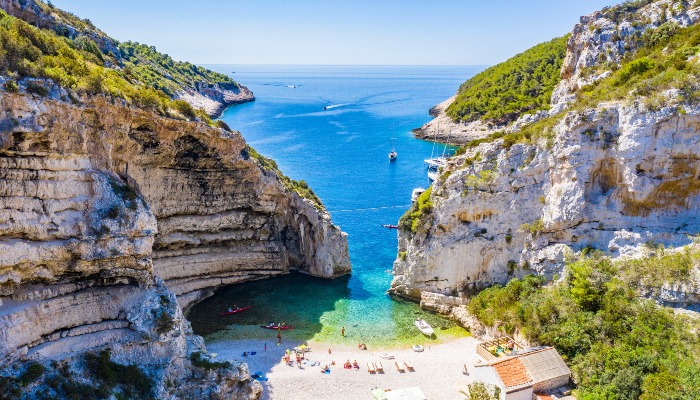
pixel 435 163
pixel 392 155
pixel 433 175
pixel 416 193
pixel 424 327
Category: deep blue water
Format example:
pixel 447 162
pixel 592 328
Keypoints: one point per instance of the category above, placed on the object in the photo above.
pixel 341 152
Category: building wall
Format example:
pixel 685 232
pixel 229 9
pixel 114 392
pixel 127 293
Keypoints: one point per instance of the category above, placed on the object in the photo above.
pixel 524 394
pixel 550 384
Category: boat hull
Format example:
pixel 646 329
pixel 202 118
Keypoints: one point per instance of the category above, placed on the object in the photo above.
pixel 424 327
pixel 277 328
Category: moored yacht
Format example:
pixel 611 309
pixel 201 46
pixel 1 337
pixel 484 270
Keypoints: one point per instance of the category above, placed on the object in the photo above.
pixel 392 155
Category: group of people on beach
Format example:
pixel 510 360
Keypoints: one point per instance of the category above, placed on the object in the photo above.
pixel 288 358
pixel 354 364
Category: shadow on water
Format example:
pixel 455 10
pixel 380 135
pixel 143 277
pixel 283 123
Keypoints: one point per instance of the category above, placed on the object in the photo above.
pixel 295 299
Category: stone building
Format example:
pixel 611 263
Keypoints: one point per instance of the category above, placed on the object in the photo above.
pixel 527 373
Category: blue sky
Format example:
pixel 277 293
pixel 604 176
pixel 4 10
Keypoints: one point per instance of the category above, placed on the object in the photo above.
pixel 382 32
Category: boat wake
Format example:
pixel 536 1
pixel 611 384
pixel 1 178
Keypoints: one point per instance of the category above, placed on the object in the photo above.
pixel 332 106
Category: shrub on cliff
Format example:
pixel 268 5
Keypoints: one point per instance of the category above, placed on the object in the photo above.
pixel 74 61
pixel 522 84
pixel 417 217
pixel 617 345
pixel 201 362
pixel 133 382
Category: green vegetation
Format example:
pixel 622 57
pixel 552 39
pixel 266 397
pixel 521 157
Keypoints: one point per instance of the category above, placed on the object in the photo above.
pixel 161 72
pixel 534 228
pixel 26 51
pixel 479 391
pixel 133 383
pixel 125 192
pixel 416 218
pixel 662 62
pixel 618 345
pixel 201 362
pixel 519 85
pixel 9 388
pixel 33 372
pixel 652 272
pixel 665 58
pixel 485 178
pixel 143 77
pixel 300 187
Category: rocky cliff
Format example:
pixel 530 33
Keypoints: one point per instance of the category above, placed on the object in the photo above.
pixel 99 199
pixel 120 206
pixel 612 175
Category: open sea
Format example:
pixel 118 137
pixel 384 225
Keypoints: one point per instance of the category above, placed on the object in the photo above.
pixel 341 152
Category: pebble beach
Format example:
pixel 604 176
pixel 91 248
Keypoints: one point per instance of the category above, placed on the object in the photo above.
pixel 438 370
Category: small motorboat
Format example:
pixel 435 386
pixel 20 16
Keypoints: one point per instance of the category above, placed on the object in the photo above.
pixel 234 311
pixel 418 348
pixel 390 226
pixel 424 327
pixel 416 194
pixel 392 155
pixel 277 327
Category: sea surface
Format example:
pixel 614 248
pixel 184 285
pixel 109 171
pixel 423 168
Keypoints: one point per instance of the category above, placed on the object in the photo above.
pixel 333 127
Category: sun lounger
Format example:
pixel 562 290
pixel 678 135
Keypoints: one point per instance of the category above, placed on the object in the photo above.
pixel 370 368
pixel 378 366
pixel 399 367
pixel 409 366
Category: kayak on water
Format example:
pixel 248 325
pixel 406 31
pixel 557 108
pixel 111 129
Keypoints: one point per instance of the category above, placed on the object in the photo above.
pixel 235 310
pixel 277 327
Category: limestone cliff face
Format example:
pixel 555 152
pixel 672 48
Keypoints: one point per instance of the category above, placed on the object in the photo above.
pixel 214 98
pixel 601 38
pixel 613 177
pixel 108 212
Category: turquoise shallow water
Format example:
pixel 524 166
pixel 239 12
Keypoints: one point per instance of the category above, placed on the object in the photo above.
pixel 341 151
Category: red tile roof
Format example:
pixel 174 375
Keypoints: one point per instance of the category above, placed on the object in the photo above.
pixel 512 372
pixel 543 396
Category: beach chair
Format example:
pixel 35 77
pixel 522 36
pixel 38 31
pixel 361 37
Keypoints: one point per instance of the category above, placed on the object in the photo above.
pixel 399 367
pixel 378 366
pixel 370 368
pixel 409 366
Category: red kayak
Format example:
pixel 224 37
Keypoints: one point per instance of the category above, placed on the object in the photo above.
pixel 237 310
pixel 277 327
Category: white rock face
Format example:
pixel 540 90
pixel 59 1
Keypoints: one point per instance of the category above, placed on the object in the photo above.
pixel 611 178
pixel 108 212
pixel 614 178
pixel 600 39
pixel 443 129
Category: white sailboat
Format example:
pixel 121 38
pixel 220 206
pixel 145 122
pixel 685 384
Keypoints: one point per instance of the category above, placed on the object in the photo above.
pixel 435 163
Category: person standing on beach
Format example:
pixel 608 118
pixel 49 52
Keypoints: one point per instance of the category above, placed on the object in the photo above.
pixel 279 338
pixel 342 331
